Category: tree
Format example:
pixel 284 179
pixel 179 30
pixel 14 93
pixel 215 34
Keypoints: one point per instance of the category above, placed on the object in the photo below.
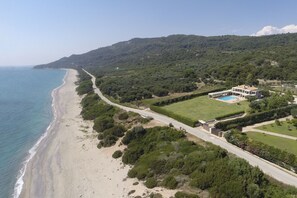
pixel 289 96
pixel 158 91
pixel 294 112
pixel 265 93
pixel 254 191
pixel 251 80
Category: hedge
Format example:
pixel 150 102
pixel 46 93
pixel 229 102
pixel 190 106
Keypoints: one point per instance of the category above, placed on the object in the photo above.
pixel 186 97
pixel 256 118
pixel 229 115
pixel 182 119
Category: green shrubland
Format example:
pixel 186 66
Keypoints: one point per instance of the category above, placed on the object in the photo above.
pixel 162 155
pixel 85 84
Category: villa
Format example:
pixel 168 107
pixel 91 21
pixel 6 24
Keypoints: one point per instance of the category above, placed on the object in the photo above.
pixel 242 91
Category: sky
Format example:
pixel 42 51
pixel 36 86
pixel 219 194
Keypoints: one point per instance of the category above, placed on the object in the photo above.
pixel 41 31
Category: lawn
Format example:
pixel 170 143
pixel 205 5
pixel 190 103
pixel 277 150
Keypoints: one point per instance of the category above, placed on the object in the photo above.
pixel 278 142
pixel 285 128
pixel 204 108
pixel 206 88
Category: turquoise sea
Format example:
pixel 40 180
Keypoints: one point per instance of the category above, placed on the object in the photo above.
pixel 25 113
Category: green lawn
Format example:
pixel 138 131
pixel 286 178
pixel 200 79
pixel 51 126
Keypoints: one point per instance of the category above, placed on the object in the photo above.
pixel 278 142
pixel 204 108
pixel 206 88
pixel 283 129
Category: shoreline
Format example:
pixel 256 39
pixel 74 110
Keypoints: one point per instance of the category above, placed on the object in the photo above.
pixel 68 163
pixel 18 187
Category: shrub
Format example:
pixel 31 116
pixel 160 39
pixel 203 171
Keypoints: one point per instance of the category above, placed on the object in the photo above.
pixel 294 122
pixel 132 173
pixel 229 115
pixel 90 99
pixel 203 182
pixel 294 112
pixel 170 182
pixel 134 133
pixel 131 155
pixel 131 192
pixel 117 154
pixel 116 130
pixel 151 182
pixel 185 195
pixel 123 116
pixel 156 195
pixel 109 140
pixel 99 145
pixel 277 122
pixel 100 136
pixel 84 87
pixel 141 175
pixel 159 166
pixel 180 118
pixel 102 123
pixel 255 118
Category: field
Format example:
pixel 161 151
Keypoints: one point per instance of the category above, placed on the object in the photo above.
pixel 203 108
pixel 278 142
pixel 285 128
pixel 206 88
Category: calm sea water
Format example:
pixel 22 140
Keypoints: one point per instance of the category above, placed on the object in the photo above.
pixel 25 113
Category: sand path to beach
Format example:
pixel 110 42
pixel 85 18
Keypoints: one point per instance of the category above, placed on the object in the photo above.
pixel 68 163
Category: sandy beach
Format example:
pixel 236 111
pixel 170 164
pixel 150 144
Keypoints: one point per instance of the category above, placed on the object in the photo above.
pixel 68 163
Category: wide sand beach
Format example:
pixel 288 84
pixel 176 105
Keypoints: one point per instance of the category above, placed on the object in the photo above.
pixel 69 164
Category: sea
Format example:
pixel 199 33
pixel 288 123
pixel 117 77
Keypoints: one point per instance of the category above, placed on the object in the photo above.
pixel 25 114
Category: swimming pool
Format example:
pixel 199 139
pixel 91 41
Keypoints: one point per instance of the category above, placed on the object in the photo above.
pixel 227 98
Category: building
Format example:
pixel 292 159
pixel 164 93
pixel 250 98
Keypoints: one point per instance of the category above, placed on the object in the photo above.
pixel 243 91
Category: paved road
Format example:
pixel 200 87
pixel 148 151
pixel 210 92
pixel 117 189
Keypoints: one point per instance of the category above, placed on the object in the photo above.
pixel 268 168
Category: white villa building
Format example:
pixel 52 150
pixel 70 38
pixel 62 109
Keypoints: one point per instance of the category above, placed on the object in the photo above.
pixel 241 91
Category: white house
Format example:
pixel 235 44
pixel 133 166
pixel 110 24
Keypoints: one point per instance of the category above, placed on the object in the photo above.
pixel 240 90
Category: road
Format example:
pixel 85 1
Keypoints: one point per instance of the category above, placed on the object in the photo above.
pixel 268 168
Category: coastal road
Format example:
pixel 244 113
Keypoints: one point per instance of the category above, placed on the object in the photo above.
pixel 268 168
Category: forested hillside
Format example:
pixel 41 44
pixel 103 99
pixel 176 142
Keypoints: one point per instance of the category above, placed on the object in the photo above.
pixel 277 52
pixel 177 63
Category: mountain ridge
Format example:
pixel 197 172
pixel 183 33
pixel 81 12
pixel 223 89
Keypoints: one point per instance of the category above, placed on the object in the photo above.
pixel 118 52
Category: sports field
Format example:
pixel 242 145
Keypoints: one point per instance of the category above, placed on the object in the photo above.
pixel 278 142
pixel 204 108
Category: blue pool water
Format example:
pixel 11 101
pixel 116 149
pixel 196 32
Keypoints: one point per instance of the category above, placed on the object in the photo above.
pixel 25 113
pixel 227 98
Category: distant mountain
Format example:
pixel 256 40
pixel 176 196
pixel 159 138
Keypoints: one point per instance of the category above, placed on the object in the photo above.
pixel 211 53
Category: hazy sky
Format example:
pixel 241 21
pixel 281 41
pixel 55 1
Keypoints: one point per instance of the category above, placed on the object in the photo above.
pixel 40 31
